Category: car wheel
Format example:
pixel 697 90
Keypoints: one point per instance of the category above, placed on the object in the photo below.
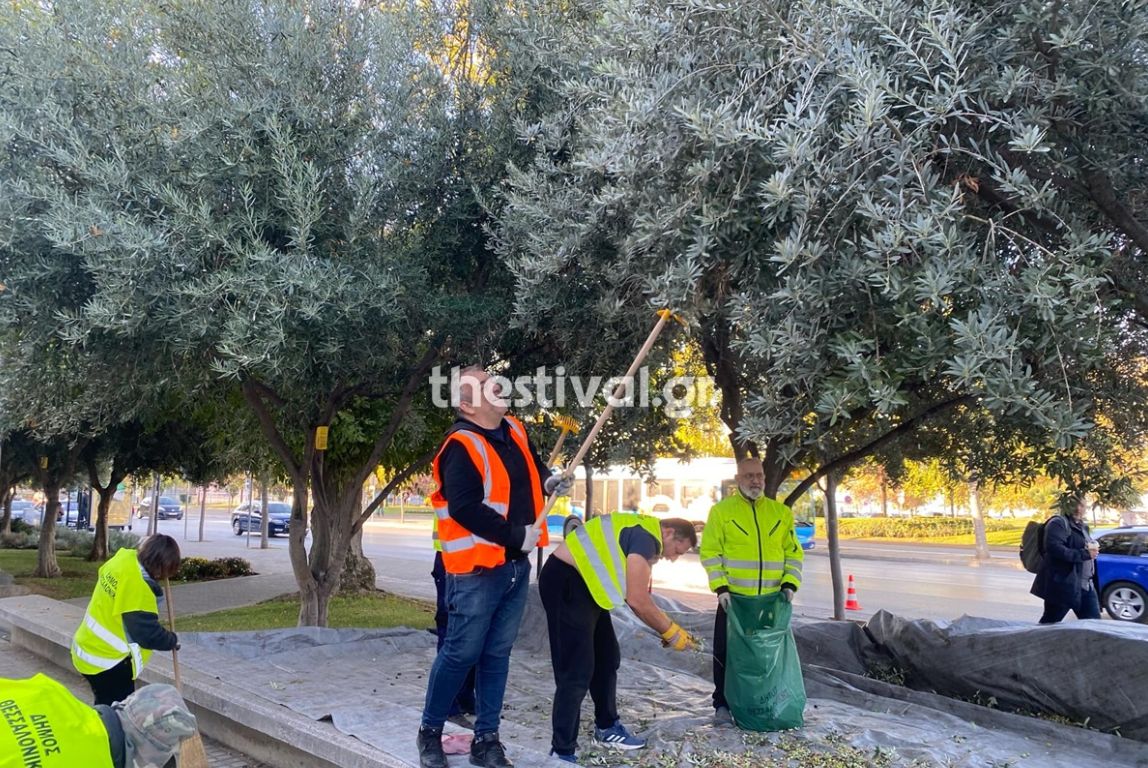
pixel 236 527
pixel 1125 601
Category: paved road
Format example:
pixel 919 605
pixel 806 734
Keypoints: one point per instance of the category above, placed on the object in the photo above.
pixel 916 581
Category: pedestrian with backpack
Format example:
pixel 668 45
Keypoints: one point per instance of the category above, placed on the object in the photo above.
pixel 1066 579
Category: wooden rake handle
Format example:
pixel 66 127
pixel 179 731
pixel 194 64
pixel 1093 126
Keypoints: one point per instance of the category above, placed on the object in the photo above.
pixel 664 317
pixel 171 627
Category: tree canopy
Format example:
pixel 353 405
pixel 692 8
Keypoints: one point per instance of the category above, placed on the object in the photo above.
pixel 860 205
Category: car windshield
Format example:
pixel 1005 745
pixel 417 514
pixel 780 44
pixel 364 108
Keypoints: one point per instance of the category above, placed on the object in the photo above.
pixel 167 501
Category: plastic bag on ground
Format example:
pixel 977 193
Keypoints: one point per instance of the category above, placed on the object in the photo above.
pixel 763 683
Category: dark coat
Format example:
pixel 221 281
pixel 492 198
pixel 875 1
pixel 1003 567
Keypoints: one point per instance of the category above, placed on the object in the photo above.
pixel 1061 571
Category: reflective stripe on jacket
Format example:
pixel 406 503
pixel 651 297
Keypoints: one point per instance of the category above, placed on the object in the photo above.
pixel 463 551
pixel 751 547
pixel 597 551
pixel 101 642
pixel 44 725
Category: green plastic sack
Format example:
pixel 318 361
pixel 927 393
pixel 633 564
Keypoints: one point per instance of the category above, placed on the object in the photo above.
pixel 763 684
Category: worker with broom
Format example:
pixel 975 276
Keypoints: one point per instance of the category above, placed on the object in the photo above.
pixel 121 625
pixel 490 493
pixel 603 564
pixel 42 723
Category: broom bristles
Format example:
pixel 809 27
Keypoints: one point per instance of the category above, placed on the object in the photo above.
pixel 192 754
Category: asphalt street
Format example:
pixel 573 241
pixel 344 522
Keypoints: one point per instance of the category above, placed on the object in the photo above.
pixel 915 581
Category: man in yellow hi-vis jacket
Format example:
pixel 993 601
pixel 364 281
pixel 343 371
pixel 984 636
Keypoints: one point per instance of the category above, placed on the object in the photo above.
pixel 749 547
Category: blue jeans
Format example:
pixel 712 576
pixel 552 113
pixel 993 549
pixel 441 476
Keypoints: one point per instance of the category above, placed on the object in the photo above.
pixel 1087 608
pixel 485 610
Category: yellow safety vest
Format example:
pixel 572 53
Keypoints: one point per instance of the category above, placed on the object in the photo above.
pixel 43 725
pixel 597 550
pixel 101 642
pixel 751 547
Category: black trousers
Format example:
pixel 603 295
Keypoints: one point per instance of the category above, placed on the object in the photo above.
pixel 114 684
pixel 719 658
pixel 584 652
pixel 464 702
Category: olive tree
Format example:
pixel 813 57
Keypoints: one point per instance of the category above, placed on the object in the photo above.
pixel 285 200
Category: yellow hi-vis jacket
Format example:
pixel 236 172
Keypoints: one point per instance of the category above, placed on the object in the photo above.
pixel 101 642
pixel 597 550
pixel 42 724
pixel 751 547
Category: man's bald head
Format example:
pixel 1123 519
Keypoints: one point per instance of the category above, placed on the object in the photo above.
pixel 478 397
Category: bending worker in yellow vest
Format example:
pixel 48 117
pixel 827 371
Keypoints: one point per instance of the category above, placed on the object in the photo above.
pixel 121 626
pixel 749 547
pixel 43 724
pixel 602 565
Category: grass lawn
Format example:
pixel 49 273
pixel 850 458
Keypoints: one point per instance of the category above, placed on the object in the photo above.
pixel 378 610
pixel 77 581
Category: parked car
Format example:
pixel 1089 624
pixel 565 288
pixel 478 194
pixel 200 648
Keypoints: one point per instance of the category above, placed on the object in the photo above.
pixel 1122 568
pixel 278 518
pixel 563 517
pixel 168 508
pixel 805 530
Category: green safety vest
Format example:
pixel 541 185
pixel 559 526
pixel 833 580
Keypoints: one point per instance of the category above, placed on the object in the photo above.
pixel 597 550
pixel 42 724
pixel 434 536
pixel 751 547
pixel 100 642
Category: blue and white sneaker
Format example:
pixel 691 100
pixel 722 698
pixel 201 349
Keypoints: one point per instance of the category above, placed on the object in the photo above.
pixel 618 737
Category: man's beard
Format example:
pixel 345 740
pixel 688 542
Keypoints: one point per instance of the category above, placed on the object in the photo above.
pixel 752 495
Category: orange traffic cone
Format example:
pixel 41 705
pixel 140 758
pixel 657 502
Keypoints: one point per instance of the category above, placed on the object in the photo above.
pixel 851 603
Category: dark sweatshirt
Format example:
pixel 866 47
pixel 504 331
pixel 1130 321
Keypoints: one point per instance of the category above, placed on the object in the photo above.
pixel 462 487
pixel 143 627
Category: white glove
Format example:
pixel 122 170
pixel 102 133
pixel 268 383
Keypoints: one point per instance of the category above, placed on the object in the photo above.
pixel 530 538
pixel 787 593
pixel 558 484
pixel 724 600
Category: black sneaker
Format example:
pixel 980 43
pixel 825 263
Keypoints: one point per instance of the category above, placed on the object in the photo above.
pixel 430 748
pixel 486 752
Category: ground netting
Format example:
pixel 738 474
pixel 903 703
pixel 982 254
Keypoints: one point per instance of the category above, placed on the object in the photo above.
pixel 371 684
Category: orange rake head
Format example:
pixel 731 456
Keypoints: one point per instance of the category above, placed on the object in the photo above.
pixel 567 423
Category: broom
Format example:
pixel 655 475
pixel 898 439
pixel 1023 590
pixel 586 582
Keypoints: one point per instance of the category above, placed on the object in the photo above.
pixel 191 751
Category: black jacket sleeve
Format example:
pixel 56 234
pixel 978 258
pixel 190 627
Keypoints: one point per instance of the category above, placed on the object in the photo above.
pixel 462 487
pixel 143 627
pixel 543 470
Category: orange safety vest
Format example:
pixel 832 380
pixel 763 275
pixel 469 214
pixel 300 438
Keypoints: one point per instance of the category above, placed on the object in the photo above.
pixel 463 551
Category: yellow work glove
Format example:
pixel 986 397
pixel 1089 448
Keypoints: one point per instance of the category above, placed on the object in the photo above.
pixel 678 639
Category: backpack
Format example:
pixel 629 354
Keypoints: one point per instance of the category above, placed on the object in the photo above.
pixel 1032 545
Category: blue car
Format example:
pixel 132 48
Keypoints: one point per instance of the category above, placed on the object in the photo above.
pixel 557 521
pixel 1122 568
pixel 805 531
